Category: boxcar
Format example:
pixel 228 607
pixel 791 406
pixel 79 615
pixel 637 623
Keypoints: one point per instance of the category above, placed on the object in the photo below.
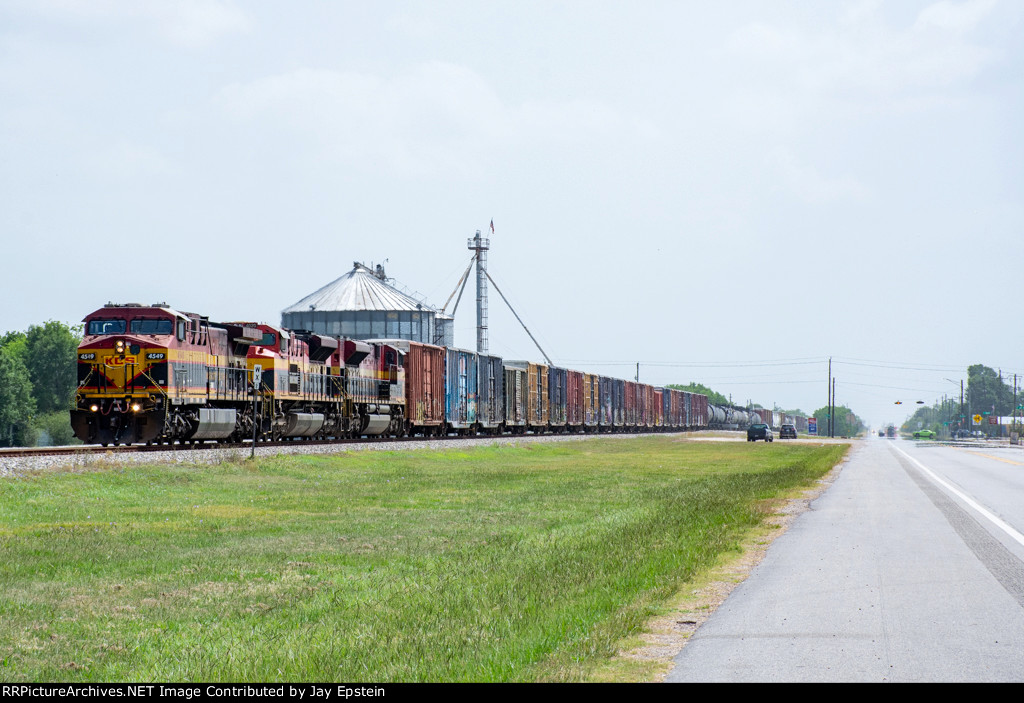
pixel 517 396
pixel 700 414
pixel 666 396
pixel 630 411
pixel 536 394
pixel 490 389
pixel 650 407
pixel 575 401
pixel 460 379
pixel 605 403
pixel 558 388
pixel 424 384
pixel 591 400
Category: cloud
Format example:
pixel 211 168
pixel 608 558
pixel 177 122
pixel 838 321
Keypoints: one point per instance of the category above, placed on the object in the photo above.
pixel 957 17
pixel 808 184
pixel 435 115
pixel 125 160
pixel 189 23
pixel 864 58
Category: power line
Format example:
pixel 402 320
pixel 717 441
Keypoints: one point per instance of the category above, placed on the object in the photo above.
pixel 702 364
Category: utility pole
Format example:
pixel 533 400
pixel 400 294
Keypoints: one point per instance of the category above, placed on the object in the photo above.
pixel 832 411
pixel 962 417
pixel 1015 426
pixel 828 427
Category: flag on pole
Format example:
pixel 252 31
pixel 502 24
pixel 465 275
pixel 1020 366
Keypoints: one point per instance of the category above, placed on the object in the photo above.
pixel 492 225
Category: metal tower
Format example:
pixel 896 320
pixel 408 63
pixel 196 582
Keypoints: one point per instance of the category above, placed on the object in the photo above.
pixel 480 245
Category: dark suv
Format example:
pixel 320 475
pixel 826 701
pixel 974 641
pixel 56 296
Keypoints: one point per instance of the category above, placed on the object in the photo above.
pixel 787 432
pixel 760 431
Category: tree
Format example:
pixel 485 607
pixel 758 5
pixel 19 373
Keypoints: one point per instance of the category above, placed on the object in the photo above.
pixel 51 360
pixel 934 418
pixel 16 403
pixel 15 343
pixel 846 424
pixel 986 391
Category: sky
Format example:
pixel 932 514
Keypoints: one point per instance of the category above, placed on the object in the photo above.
pixel 728 193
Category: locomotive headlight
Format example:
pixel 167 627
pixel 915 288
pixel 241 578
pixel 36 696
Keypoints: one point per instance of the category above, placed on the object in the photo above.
pixel 136 407
pixel 119 346
pixel 94 408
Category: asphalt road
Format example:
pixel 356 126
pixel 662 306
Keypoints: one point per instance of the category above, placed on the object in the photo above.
pixel 909 568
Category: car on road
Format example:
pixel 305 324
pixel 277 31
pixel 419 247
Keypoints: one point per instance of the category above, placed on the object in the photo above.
pixel 787 432
pixel 760 431
pixel 924 434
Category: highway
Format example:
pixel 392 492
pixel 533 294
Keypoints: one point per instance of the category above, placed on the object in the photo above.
pixel 909 568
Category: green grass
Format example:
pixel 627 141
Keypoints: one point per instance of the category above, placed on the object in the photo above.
pixel 492 564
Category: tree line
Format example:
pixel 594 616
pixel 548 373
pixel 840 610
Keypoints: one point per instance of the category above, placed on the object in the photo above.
pixel 38 377
pixel 986 393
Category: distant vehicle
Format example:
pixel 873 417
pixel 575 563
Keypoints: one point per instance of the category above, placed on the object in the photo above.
pixel 787 432
pixel 760 431
pixel 890 432
pixel 881 433
pixel 924 434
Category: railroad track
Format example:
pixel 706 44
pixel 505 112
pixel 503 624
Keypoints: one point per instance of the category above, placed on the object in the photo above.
pixel 89 449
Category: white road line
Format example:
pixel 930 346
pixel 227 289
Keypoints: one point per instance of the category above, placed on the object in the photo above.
pixel 1016 536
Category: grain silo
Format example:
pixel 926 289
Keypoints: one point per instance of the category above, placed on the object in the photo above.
pixel 363 305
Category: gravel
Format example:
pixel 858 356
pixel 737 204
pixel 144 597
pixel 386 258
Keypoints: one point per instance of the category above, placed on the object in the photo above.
pixel 17 467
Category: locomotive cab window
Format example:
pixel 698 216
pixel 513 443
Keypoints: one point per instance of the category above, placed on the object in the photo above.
pixel 106 326
pixel 144 326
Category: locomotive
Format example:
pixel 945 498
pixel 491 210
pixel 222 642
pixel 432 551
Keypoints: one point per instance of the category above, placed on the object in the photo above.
pixel 154 374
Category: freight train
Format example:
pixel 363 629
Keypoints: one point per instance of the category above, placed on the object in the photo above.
pixel 153 374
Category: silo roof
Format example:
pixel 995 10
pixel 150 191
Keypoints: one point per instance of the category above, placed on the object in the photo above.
pixel 359 289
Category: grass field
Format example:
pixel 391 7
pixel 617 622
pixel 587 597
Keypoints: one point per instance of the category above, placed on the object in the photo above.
pixel 491 564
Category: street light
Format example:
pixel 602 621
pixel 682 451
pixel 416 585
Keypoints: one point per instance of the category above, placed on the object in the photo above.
pixel 962 416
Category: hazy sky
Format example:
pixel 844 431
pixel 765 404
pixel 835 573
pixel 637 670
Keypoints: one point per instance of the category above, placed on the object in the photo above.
pixel 726 192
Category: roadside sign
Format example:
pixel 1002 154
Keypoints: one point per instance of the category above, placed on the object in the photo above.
pixel 977 419
pixel 257 376
pixel 812 425
pixel 993 420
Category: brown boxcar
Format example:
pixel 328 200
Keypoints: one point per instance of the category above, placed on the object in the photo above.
pixel 629 406
pixel 575 401
pixel 424 384
pixel 537 394
pixel 650 407
pixel 591 400
pixel 700 411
